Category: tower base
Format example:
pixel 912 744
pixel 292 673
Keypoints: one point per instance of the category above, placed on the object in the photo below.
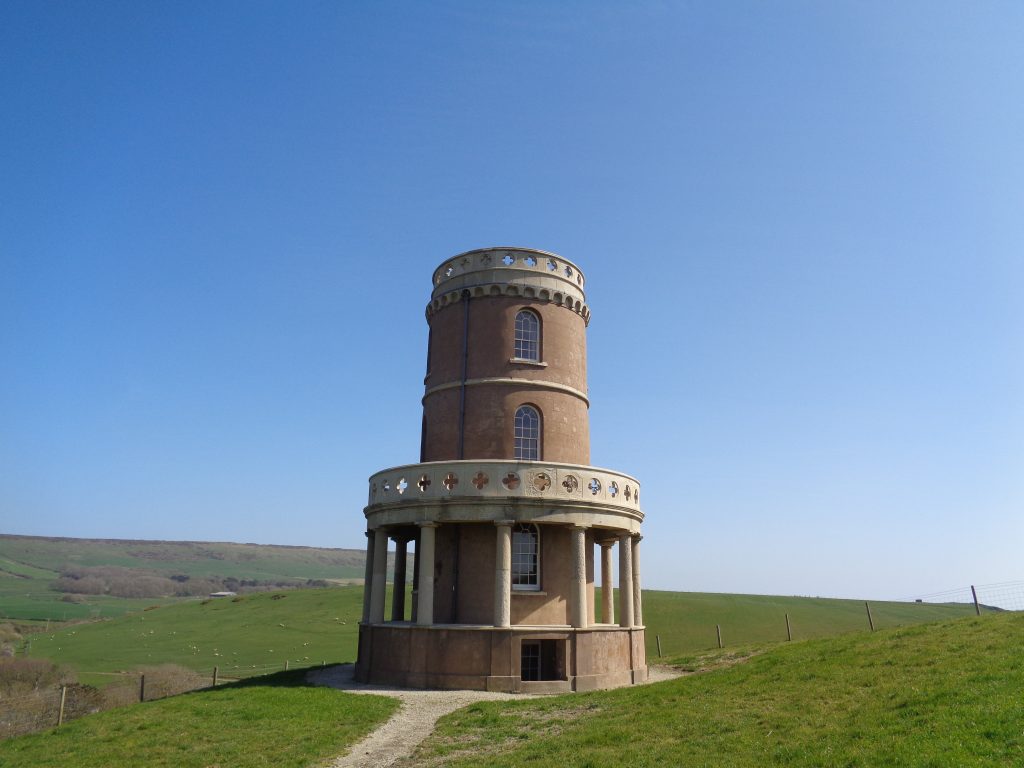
pixel 518 659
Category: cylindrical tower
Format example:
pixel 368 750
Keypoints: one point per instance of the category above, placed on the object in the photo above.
pixel 507 329
pixel 504 510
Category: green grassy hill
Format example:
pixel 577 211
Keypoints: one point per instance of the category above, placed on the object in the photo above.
pixel 262 630
pixel 242 636
pixel 271 721
pixel 686 620
pixel 944 694
pixel 29 565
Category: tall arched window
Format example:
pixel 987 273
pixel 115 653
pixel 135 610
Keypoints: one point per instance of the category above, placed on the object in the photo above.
pixel 525 557
pixel 527 336
pixel 527 445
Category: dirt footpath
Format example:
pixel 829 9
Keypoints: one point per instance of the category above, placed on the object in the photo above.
pixel 416 718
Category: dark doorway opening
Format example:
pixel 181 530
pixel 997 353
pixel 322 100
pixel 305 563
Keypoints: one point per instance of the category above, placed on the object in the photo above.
pixel 542 660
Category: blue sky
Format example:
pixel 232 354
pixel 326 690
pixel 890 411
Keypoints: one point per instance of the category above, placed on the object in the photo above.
pixel 802 226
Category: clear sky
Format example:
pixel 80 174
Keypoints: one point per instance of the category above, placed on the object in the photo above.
pixel 802 225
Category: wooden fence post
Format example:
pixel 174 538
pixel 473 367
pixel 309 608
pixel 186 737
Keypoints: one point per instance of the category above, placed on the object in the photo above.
pixel 871 622
pixel 718 629
pixel 142 688
pixel 215 677
pixel 974 594
pixel 63 697
pixel 658 638
pixel 789 630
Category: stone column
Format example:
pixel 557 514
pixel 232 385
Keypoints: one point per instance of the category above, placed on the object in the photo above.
pixel 503 575
pixel 638 611
pixel 368 577
pixel 378 582
pixel 398 597
pixel 425 598
pixel 625 580
pixel 578 587
pixel 415 577
pixel 607 589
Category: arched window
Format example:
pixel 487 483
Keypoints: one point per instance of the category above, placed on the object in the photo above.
pixel 527 434
pixel 525 557
pixel 527 336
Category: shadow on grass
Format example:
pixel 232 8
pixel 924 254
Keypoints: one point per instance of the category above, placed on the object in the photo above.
pixel 292 678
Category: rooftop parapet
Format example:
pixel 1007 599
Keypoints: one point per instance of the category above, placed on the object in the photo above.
pixel 510 271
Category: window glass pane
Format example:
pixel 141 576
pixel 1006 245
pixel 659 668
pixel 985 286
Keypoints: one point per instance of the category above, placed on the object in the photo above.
pixel 527 337
pixel 527 434
pixel 525 557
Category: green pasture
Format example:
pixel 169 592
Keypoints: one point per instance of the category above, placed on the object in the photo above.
pixel 941 694
pixel 271 721
pixel 191 558
pixel 242 637
pixel 257 632
pixel 33 600
pixel 686 620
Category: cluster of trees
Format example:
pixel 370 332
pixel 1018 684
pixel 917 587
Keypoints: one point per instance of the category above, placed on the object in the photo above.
pixel 134 582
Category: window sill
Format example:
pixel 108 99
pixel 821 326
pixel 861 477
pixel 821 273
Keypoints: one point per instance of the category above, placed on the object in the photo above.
pixel 529 592
pixel 522 361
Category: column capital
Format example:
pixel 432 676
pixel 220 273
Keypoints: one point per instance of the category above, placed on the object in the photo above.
pixel 504 523
pixel 576 526
pixel 428 524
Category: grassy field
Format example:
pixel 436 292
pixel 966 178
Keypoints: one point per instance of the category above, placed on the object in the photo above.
pixel 942 694
pixel 260 631
pixel 243 636
pixel 686 620
pixel 29 565
pixel 272 721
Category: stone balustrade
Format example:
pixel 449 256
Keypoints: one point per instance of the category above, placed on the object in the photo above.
pixel 482 490
pixel 528 259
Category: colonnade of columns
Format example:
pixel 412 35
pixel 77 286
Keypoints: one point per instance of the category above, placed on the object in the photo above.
pixel 630 607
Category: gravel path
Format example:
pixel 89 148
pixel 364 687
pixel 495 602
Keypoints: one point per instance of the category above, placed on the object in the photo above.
pixel 416 718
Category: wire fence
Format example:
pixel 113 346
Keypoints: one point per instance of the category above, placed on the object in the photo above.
pixel 28 710
pixel 1004 596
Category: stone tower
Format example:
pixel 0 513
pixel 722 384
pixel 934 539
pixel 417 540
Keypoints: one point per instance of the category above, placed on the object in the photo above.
pixel 504 510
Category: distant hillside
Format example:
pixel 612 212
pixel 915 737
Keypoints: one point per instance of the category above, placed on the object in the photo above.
pixel 66 578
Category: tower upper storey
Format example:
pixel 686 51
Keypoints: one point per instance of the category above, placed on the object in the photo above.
pixel 509 271
pixel 506 361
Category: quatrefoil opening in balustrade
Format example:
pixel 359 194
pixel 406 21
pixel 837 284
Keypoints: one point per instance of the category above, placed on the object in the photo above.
pixel 541 481
pixel 385 485
pixel 510 481
pixel 423 483
pixel 570 483
pixel 628 493
pixel 450 481
pixel 508 260
pixel 613 489
pixel 400 486
pixel 373 489
pixel 594 485
pixel 480 480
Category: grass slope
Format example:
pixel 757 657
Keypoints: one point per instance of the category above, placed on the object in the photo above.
pixel 686 620
pixel 309 626
pixel 243 726
pixel 305 626
pixel 30 564
pixel 944 694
